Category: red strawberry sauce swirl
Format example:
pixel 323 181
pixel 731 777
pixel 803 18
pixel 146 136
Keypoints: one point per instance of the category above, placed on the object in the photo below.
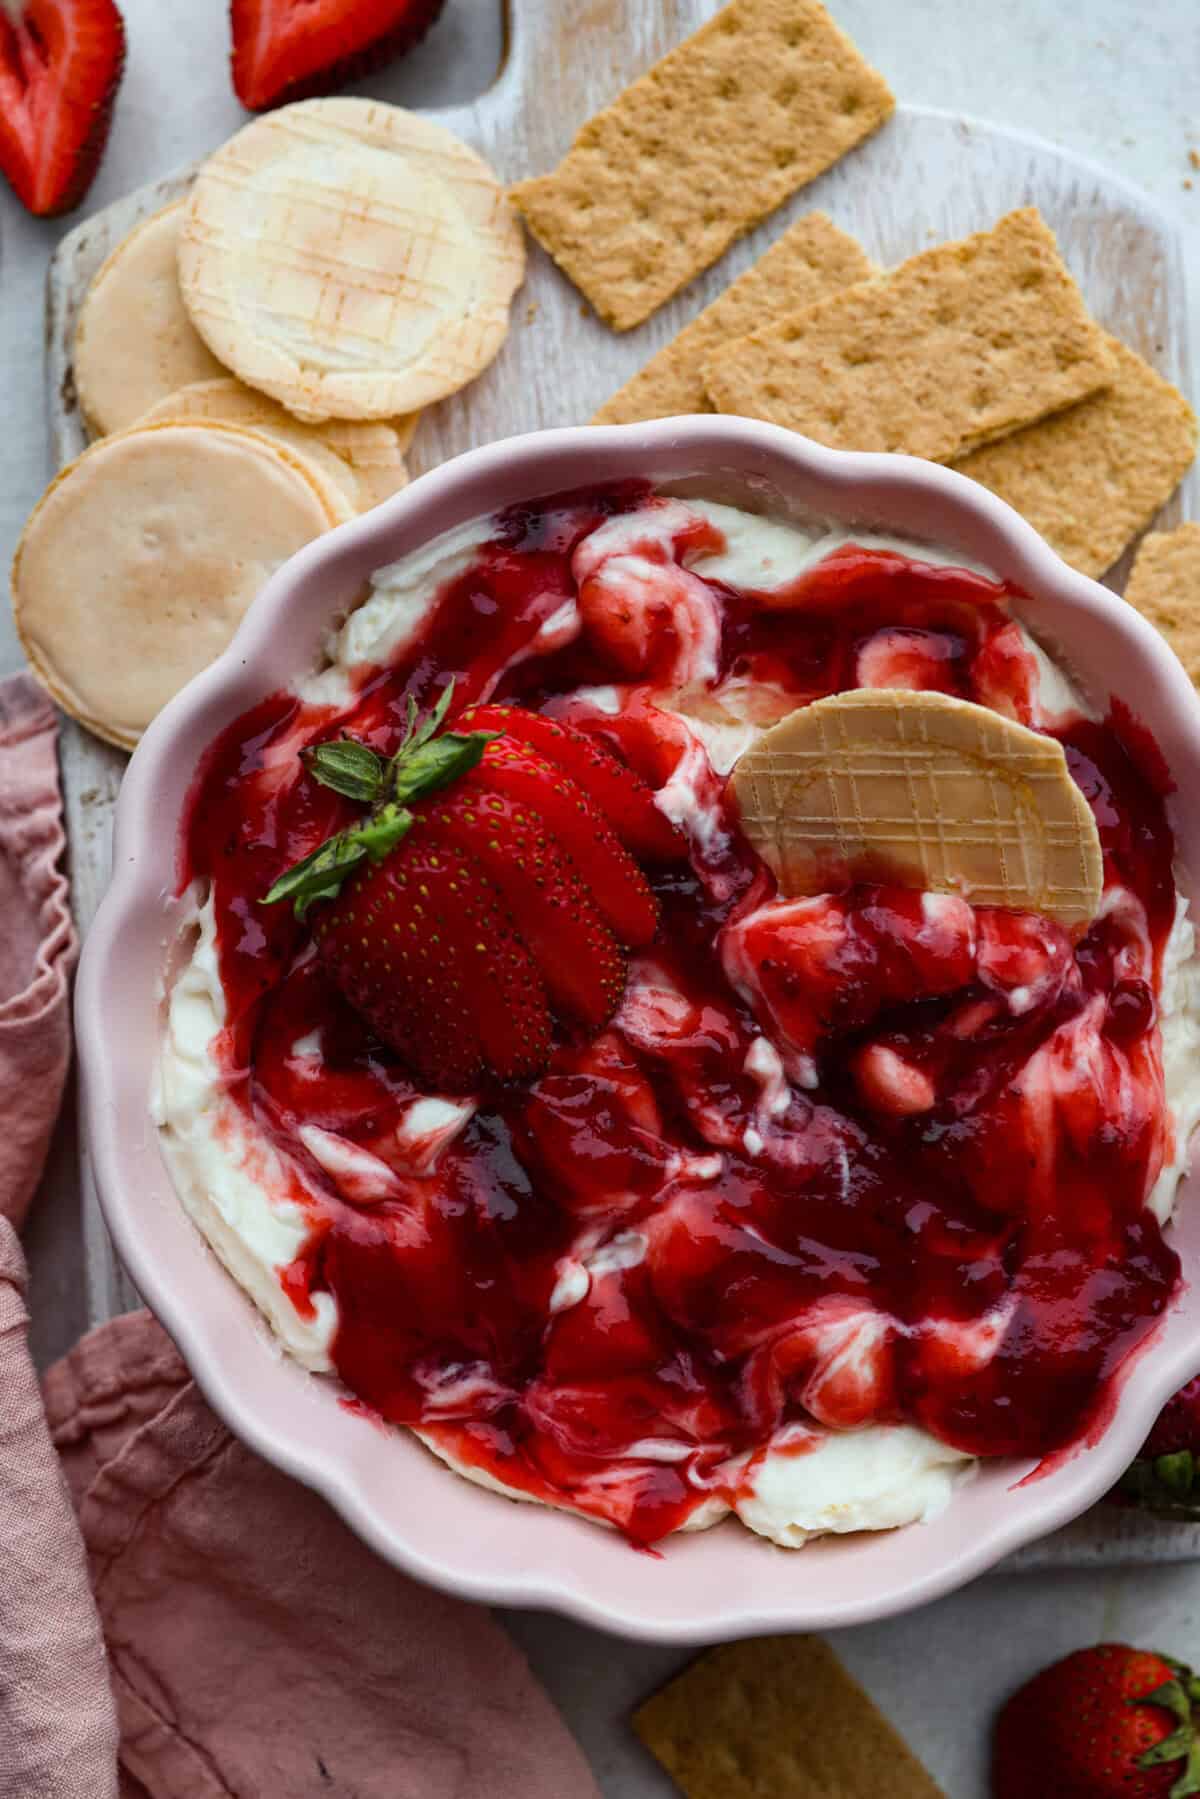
pixel 957 1193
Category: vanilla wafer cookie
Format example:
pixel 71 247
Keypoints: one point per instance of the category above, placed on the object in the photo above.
pixel 134 342
pixel 352 260
pixel 923 790
pixel 138 563
pixel 364 459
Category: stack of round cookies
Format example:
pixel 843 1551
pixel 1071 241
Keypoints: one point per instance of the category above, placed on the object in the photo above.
pixel 251 363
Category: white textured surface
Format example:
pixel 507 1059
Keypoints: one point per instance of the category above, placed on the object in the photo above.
pixel 1115 81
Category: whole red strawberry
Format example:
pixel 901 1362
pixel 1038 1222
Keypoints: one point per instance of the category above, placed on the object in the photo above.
pixel 60 68
pixel 1105 1723
pixel 491 887
pixel 287 50
pixel 1165 1478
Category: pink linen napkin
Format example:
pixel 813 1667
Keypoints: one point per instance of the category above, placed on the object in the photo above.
pixel 37 941
pixel 57 1729
pixel 257 1647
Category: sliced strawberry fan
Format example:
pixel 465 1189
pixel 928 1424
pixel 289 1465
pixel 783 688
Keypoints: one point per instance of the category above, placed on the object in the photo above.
pixel 491 887
pixel 60 67
pixel 286 50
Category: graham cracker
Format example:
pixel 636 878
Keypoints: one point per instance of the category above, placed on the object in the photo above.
pixel 710 140
pixel 777 1718
pixel 812 259
pixel 961 344
pixel 1164 585
pixel 926 790
pixel 1090 478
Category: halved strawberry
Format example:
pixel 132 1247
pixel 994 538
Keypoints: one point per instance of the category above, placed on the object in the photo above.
pixel 617 883
pixel 425 948
pixel 60 68
pixel 580 963
pixel 623 797
pixel 287 50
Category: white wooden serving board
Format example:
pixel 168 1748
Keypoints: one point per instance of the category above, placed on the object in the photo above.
pixel 925 177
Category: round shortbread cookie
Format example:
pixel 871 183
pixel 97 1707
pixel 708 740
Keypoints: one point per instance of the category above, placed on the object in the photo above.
pixel 138 563
pixel 924 790
pixel 377 460
pixel 363 458
pixel 134 342
pixel 352 260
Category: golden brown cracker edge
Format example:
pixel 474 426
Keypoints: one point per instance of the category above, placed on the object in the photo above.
pixel 710 140
pixel 778 1716
pixel 810 260
pixel 1164 585
pixel 961 344
pixel 1092 477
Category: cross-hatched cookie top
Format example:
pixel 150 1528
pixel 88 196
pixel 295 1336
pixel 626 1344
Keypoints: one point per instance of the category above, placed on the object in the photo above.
pixel 350 259
pixel 925 790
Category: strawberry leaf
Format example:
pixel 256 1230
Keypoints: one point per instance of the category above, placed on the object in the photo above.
pixel 319 875
pixel 350 768
pixel 1174 1696
pixel 423 764
pixel 1171 1749
pixel 1164 1484
pixel 1189 1781
pixel 429 766
pixel 435 718
pixel 382 831
pixel 1171 1696
pixel 415 734
pixel 410 725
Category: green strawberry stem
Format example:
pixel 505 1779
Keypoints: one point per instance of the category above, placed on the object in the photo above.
pixel 1176 1696
pixel 423 764
pixel 1167 1485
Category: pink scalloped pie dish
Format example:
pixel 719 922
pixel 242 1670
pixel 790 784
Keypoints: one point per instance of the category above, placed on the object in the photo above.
pixel 706 1585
